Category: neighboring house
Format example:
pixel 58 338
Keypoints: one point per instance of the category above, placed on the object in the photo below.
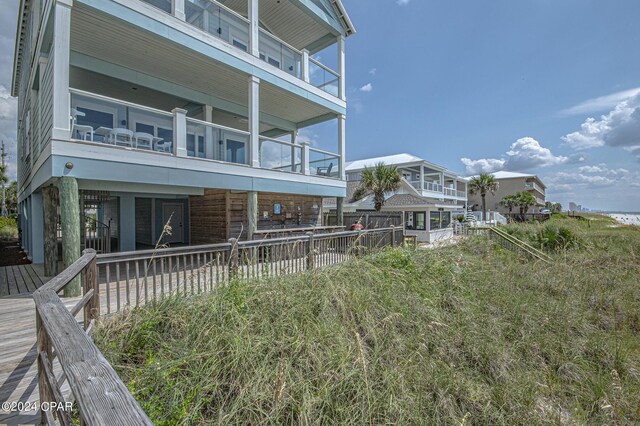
pixel 428 197
pixel 510 183
pixel 181 109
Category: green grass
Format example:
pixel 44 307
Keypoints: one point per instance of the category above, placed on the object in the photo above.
pixel 468 334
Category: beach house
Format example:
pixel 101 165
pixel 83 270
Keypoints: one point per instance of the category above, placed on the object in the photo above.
pixel 187 112
pixel 428 197
pixel 510 183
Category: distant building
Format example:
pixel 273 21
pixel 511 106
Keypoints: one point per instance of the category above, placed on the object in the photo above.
pixel 573 207
pixel 510 183
pixel 428 197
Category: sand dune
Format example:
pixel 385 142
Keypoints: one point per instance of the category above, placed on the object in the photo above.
pixel 626 219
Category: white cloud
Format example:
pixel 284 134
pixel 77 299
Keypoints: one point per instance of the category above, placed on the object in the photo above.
pixel 619 128
pixel 524 154
pixel 591 176
pixel 601 103
pixel 483 165
pixel 402 2
pixel 373 71
pixel 366 88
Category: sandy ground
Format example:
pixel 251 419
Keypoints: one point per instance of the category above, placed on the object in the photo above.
pixel 626 219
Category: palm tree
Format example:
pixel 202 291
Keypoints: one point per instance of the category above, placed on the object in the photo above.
pixel 483 184
pixel 525 201
pixel 378 179
pixel 510 201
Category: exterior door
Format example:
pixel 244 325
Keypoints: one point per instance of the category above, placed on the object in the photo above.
pixel 175 212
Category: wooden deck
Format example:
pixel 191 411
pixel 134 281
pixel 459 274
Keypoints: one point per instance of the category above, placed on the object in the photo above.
pixel 20 279
pixel 18 381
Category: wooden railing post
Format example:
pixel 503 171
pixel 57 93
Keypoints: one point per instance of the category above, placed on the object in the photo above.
pixel 393 236
pixel 43 346
pixel 311 252
pixel 233 258
pixel 90 282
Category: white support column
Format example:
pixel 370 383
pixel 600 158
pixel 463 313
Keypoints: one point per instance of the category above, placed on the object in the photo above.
pixel 60 56
pixel 294 142
pixel 421 178
pixel 209 142
pixel 179 132
pixel 254 121
pixel 304 157
pixel 342 146
pixel 341 68
pixel 252 214
pixel 177 9
pixel 254 27
pixel 304 71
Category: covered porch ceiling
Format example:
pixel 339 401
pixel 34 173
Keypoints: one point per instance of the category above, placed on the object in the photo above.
pixel 287 21
pixel 106 46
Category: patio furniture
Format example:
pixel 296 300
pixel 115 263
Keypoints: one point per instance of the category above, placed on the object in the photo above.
pixel 120 137
pixel 163 146
pixel 143 140
pixel 84 132
pixel 324 171
pixel 103 132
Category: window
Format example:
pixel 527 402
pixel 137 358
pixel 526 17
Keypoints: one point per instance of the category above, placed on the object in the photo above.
pixel 439 220
pixel 415 221
pixel 420 221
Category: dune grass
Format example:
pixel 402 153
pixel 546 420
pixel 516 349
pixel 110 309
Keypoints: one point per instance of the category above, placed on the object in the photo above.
pixel 467 334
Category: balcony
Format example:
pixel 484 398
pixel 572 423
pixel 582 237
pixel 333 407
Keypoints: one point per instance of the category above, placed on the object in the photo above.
pixel 233 28
pixel 436 187
pixel 534 186
pixel 111 122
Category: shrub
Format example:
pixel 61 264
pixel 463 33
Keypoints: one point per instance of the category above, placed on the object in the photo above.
pixel 8 228
pixel 553 237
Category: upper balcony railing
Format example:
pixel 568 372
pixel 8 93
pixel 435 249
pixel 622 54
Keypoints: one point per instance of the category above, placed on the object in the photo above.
pixel 436 187
pixel 97 118
pixel 533 185
pixel 222 22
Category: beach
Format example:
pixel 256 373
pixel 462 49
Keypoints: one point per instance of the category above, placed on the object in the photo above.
pixel 626 218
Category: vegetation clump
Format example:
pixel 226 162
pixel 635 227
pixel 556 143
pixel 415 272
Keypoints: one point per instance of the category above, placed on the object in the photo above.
pixel 8 228
pixel 552 236
pixel 467 334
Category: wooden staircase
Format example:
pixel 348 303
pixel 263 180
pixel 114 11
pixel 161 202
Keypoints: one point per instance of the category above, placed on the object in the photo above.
pixel 511 243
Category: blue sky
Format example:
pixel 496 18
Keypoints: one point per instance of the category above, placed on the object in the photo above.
pixel 503 84
pixel 468 79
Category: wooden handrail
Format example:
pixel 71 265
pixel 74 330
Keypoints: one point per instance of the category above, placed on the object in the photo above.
pixel 100 395
pixel 519 244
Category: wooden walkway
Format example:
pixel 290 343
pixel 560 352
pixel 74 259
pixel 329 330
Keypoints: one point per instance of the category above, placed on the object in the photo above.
pixel 20 279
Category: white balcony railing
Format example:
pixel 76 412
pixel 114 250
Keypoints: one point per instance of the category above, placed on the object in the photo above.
pixel 533 185
pixel 224 23
pixel 112 122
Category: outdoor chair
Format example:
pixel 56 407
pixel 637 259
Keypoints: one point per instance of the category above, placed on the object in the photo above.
pixel 166 146
pixel 121 137
pixel 324 171
pixel 143 140
pixel 84 132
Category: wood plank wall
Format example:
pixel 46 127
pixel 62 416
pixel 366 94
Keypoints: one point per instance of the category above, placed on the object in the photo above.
pixel 219 215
